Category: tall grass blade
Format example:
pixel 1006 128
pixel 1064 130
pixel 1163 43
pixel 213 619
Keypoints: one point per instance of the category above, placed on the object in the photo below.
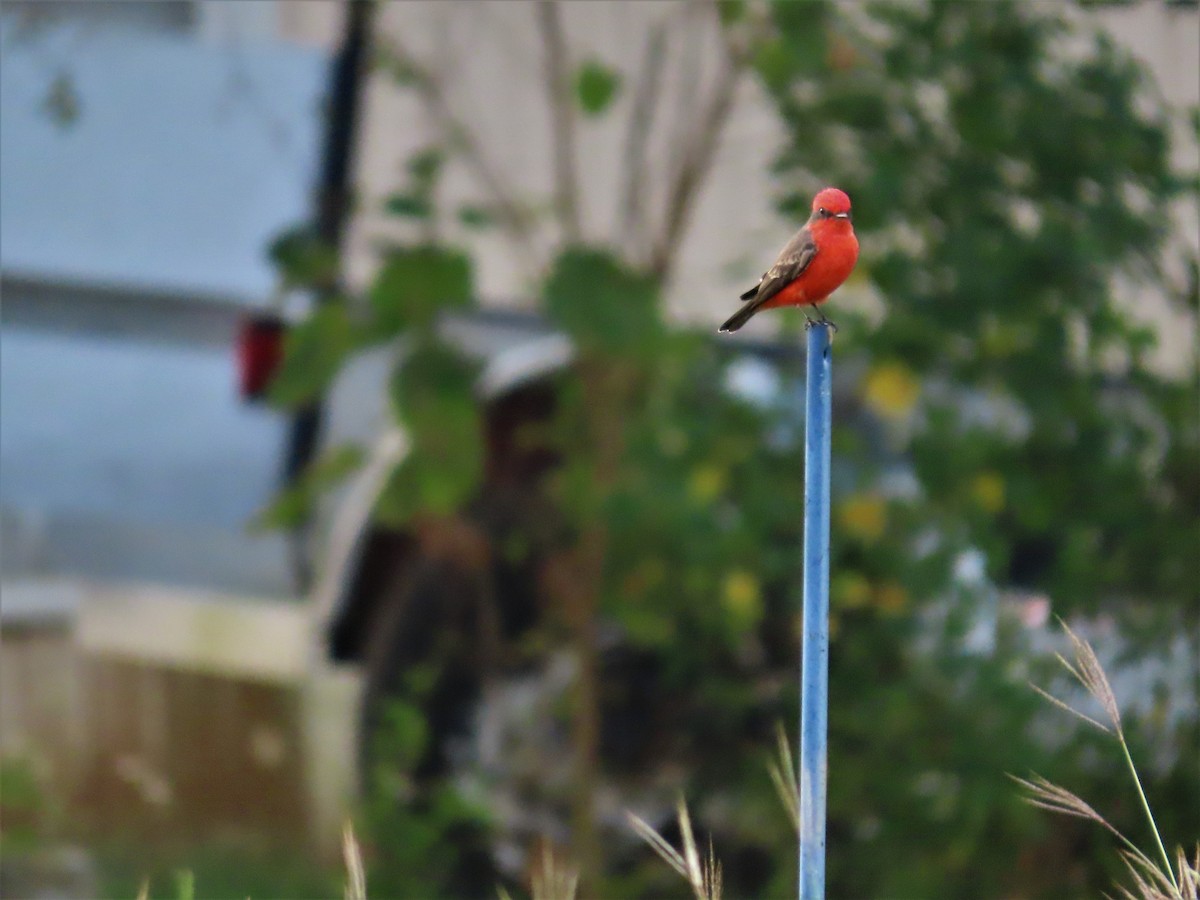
pixel 691 856
pixel 356 879
pixel 783 776
pixel 1146 809
pixel 658 844
pixel 185 884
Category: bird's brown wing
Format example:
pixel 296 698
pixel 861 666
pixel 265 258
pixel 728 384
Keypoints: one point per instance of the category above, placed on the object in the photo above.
pixel 793 259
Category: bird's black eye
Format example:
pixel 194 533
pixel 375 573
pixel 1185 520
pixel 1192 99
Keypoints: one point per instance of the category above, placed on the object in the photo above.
pixel 823 211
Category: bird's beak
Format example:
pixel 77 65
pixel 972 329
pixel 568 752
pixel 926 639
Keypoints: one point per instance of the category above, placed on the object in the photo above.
pixel 845 215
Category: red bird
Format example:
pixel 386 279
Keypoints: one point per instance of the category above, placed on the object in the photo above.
pixel 811 267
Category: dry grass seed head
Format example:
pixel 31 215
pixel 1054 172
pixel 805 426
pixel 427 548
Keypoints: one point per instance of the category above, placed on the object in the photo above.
pixel 704 878
pixel 1090 674
pixel 1150 882
pixel 554 879
pixel 1047 795
pixel 1189 874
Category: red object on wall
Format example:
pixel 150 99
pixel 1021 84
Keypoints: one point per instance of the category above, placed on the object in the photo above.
pixel 259 353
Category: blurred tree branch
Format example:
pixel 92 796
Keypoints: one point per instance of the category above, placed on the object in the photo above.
pixel 631 215
pixel 515 216
pixel 562 117
pixel 699 146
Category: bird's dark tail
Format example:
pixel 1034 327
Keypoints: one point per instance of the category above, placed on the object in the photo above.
pixel 752 293
pixel 741 317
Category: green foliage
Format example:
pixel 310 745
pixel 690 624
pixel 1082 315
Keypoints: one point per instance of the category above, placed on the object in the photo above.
pixel 294 506
pixel 415 283
pixel 999 188
pixel 604 306
pixel 408 205
pixel 1023 217
pixel 425 166
pixel 596 87
pixel 731 11
pixel 418 839
pixel 302 259
pixel 313 353
pixel 185 884
pixel 417 201
pixel 23 802
pixel 476 217
pixel 432 392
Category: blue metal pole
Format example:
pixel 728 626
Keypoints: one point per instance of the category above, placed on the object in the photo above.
pixel 814 660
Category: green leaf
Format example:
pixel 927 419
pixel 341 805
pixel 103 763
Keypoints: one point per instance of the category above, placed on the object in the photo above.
pixel 595 87
pixel 431 381
pixel 425 166
pixel 476 217
pixel 293 506
pixel 411 205
pixel 427 483
pixel 406 732
pixel 303 259
pixel 415 283
pixel 432 393
pixel 313 352
pixel 402 72
pixel 603 305
pixel 731 11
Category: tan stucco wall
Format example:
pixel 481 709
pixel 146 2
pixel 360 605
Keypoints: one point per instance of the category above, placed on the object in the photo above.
pixel 490 53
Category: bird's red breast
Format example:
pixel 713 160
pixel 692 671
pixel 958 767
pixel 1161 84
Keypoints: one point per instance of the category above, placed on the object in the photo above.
pixel 837 253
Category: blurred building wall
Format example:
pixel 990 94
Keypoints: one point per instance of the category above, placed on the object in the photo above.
pixel 490 58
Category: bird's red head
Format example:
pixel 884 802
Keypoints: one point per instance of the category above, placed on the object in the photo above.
pixel 831 203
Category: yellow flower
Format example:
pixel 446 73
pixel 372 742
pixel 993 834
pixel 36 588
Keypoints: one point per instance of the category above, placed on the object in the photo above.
pixel 850 590
pixel 741 596
pixel 987 489
pixel 863 516
pixel 891 598
pixel 706 483
pixel 891 390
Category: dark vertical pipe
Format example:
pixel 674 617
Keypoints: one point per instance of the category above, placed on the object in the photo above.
pixel 342 114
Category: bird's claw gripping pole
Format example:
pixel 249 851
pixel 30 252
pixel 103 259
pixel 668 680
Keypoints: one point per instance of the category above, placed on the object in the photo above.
pixel 814 659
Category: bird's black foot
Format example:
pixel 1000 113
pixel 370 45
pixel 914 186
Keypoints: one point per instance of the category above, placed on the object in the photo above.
pixel 809 323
